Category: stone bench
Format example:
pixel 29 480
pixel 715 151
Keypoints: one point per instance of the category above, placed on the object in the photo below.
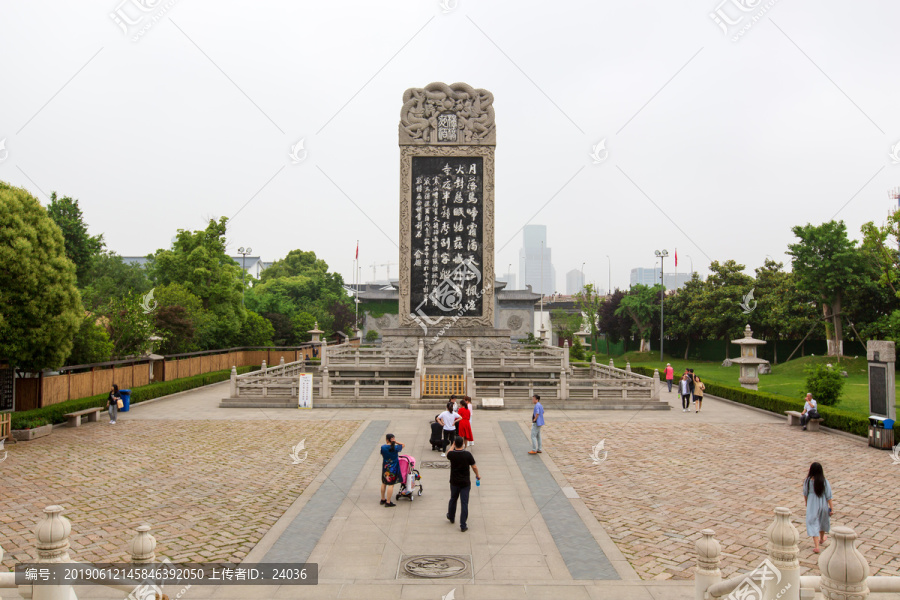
pixel 73 419
pixel 492 403
pixel 794 419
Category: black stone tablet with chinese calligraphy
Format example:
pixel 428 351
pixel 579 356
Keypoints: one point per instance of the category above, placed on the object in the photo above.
pixel 447 236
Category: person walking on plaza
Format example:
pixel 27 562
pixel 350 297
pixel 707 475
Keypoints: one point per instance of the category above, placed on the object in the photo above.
pixel 817 497
pixel 113 403
pixel 537 421
pixel 390 468
pixel 684 389
pixel 810 411
pixel 699 386
pixel 448 419
pixel 465 424
pixel 460 481
pixel 670 375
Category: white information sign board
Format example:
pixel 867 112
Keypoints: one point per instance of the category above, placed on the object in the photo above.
pixel 305 391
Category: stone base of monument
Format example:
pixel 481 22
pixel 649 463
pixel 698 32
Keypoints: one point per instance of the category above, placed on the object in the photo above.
pixel 447 347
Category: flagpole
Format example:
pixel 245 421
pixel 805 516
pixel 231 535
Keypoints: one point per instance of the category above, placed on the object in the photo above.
pixel 356 288
pixel 676 271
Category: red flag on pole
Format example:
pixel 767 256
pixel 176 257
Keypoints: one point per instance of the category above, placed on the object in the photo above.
pixel 357 249
pixel 676 257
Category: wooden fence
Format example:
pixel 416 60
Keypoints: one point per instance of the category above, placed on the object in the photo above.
pixel 37 393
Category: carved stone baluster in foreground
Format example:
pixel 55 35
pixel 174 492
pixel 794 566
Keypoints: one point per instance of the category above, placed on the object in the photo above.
pixel 709 553
pixel 844 568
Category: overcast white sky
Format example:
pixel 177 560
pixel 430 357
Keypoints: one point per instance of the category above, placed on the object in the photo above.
pixel 716 147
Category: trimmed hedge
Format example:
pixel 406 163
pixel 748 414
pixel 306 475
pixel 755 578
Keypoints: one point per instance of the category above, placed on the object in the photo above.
pixel 835 418
pixel 26 419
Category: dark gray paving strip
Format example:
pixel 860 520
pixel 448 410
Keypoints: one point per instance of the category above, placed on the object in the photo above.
pixel 579 549
pixel 303 533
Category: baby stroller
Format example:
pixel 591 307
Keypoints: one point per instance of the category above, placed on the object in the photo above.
pixel 410 478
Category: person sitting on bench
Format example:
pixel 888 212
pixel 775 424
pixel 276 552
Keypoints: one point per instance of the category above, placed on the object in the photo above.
pixel 809 411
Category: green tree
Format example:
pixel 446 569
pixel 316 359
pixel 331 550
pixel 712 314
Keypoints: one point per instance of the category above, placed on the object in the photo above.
pixel 91 343
pixel 782 310
pixel 40 308
pixel 129 327
pixel 640 305
pixel 297 262
pixel 880 247
pixel 81 247
pixel 256 330
pixel 719 312
pixel 110 277
pixel 590 303
pixel 824 383
pixel 566 323
pixel 302 322
pixel 682 311
pixel 826 263
pixel 614 325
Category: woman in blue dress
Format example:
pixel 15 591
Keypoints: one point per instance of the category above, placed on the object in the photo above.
pixel 390 469
pixel 817 496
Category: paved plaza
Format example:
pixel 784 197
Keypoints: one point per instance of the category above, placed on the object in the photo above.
pixel 219 484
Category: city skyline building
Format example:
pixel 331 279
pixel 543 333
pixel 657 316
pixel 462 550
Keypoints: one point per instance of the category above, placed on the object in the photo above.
pixel 534 247
pixel 574 282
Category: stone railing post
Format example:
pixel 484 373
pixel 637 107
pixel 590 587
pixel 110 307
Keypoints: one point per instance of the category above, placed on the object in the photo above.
pixel 627 366
pixel 234 382
pixel 611 364
pixel 52 533
pixel 657 386
pixel 708 556
pixel 281 364
pixel 263 368
pixel 844 569
pixel 566 355
pixel 782 539
pixel 143 546
pixel 326 385
pixel 323 354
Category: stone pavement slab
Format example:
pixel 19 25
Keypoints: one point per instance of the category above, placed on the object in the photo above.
pixel 579 549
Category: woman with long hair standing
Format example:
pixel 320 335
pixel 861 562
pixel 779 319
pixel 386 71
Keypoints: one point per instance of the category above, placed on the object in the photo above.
pixel 390 468
pixel 112 403
pixel 817 496
pixel 465 425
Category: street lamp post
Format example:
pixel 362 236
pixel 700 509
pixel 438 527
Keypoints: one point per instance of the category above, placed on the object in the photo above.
pixel 582 277
pixel 662 254
pixel 608 275
pixel 243 252
pixel 508 273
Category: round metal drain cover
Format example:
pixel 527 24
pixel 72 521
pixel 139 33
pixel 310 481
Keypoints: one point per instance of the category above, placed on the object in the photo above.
pixel 435 567
pixel 436 464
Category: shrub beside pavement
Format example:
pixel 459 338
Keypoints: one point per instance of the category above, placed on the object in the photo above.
pixel 834 418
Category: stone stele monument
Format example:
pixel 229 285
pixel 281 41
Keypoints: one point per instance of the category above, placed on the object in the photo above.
pixel 447 141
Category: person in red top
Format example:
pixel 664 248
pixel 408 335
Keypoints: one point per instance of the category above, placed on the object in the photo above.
pixel 670 375
pixel 465 425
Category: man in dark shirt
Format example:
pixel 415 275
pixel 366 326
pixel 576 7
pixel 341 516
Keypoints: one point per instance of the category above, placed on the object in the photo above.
pixel 460 482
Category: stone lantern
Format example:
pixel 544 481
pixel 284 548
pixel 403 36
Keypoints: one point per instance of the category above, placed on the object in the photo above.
pixel 315 332
pixel 748 360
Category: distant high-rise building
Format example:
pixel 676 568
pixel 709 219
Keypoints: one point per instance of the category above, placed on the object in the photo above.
pixel 574 282
pixel 534 238
pixel 509 278
pixel 651 277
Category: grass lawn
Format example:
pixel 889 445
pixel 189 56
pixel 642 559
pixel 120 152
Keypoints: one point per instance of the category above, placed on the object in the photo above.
pixel 787 379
